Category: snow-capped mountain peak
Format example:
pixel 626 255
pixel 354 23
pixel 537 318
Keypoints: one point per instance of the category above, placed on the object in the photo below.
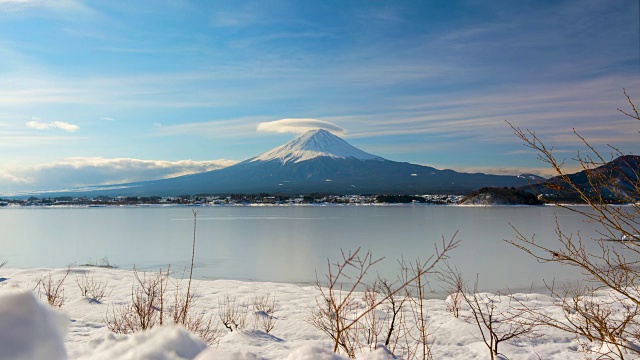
pixel 313 144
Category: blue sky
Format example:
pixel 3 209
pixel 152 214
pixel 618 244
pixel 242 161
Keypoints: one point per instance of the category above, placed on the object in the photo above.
pixel 105 92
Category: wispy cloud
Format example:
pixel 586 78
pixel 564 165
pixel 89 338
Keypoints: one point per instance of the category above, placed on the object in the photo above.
pixel 20 140
pixel 188 89
pixel 261 39
pixel 513 170
pixel 549 109
pixel 65 8
pixel 299 126
pixel 383 15
pixel 236 18
pixel 85 171
pixel 405 78
pixel 38 125
pixel 240 127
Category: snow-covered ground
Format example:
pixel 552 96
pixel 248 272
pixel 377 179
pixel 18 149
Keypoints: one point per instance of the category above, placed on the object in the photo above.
pixel 31 328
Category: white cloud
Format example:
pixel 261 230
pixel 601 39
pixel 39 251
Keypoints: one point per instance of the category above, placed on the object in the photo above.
pixel 38 125
pixel 107 119
pixel 65 126
pixel 299 126
pixel 86 171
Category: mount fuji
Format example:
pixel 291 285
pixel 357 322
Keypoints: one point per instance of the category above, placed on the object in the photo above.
pixel 320 162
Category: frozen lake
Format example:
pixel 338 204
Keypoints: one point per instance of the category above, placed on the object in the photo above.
pixel 285 244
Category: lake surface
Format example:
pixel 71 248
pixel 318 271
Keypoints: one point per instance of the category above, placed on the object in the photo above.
pixel 287 244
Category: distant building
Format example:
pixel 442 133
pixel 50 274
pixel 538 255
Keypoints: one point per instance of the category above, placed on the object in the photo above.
pixel 269 200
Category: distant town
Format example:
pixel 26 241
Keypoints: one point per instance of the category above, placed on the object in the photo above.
pixel 232 199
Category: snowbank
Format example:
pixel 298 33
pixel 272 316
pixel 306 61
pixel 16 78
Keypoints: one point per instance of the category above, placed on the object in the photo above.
pixel 161 343
pixel 30 329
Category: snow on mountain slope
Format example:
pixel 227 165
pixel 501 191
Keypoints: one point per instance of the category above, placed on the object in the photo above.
pixel 313 144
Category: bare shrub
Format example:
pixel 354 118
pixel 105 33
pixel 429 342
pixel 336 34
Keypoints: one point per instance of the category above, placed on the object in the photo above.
pixel 146 308
pixel 53 288
pixel 179 309
pixel 610 321
pixel 92 288
pixel 454 286
pixel 338 313
pixel 496 318
pixel 418 338
pixel 374 321
pixel 150 306
pixel 182 313
pixel 267 303
pixel 122 320
pixel 264 307
pixel 232 314
pixel 335 325
pixel 332 315
pixel 605 309
pixel 203 325
pixel 264 321
pixel 102 263
pixel 148 299
pixel 596 316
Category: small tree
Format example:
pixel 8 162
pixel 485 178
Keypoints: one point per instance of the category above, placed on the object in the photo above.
pixel 610 320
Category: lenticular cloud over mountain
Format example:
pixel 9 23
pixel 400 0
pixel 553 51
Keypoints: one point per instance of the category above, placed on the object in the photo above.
pixel 299 126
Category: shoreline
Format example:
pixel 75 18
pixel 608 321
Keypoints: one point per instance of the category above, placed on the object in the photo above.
pixel 81 206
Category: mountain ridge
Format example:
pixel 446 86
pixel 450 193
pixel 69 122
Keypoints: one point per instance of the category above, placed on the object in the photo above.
pixel 319 162
pixel 616 180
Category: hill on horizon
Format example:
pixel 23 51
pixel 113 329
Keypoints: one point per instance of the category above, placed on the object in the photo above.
pixel 617 181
